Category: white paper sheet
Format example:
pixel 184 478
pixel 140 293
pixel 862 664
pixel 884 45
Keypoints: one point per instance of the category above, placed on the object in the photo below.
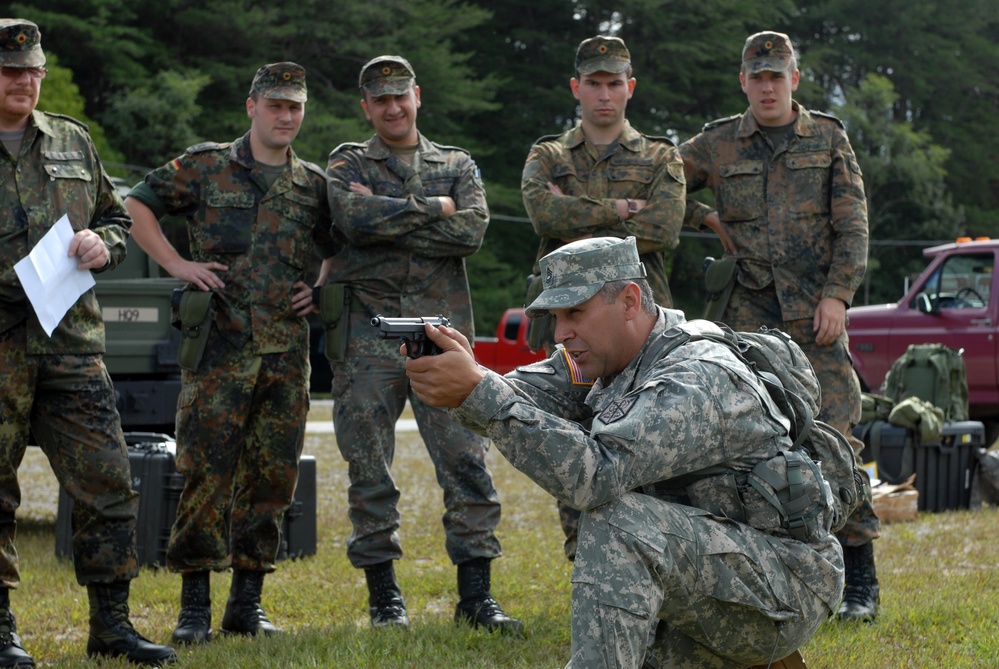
pixel 50 277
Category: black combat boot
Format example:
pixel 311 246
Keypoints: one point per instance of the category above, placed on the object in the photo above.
pixel 194 624
pixel 111 632
pixel 12 654
pixel 477 606
pixel 861 594
pixel 243 614
pixel 385 603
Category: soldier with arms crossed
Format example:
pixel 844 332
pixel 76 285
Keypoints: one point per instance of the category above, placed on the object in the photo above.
pixel 412 211
pixel 603 178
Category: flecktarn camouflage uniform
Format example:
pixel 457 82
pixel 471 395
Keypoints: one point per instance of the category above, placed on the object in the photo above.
pixel 241 415
pixel 797 215
pixel 57 387
pixel 404 259
pixel 658 581
pixel 637 166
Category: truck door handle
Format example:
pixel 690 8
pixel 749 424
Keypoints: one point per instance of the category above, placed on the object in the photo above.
pixel 981 321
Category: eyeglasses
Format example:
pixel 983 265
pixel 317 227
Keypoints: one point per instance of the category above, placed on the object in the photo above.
pixel 16 72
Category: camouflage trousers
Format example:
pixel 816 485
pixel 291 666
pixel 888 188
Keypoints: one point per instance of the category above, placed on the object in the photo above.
pixel 668 586
pixel 68 404
pixel 240 430
pixel 748 310
pixel 370 389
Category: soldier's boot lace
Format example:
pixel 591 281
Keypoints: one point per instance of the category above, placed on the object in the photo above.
pixel 243 614
pixel 12 653
pixel 476 605
pixel 194 624
pixel 386 606
pixel 112 633
pixel 861 593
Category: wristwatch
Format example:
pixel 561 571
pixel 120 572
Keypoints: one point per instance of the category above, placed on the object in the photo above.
pixel 632 207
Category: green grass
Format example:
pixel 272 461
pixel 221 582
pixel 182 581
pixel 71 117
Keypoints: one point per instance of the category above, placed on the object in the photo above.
pixel 938 577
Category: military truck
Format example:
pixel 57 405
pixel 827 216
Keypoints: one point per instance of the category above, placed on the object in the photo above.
pixel 142 344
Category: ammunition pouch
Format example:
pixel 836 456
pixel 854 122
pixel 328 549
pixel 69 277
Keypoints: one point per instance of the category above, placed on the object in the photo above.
pixel 195 314
pixel 784 496
pixel 719 280
pixel 540 330
pixel 334 301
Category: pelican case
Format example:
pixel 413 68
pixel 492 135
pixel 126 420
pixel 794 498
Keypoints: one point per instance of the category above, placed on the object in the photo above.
pixel 944 469
pixel 155 478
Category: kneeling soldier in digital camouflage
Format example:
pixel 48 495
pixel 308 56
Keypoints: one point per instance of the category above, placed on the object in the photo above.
pixel 56 386
pixel 657 582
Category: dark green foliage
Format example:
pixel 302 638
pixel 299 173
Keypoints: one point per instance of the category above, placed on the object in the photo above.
pixel 495 76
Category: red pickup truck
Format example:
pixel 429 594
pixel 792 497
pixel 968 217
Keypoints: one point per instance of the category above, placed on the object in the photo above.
pixel 955 301
pixel 508 349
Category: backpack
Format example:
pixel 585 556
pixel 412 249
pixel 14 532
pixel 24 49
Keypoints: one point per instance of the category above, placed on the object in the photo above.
pixel 934 373
pixel 791 382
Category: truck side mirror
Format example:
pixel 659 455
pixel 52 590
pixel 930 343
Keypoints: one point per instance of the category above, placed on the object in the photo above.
pixel 923 303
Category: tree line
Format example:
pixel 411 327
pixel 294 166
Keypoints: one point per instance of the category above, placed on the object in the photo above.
pixel 915 81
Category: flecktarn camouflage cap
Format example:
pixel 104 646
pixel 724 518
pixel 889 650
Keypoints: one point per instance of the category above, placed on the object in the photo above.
pixel 386 75
pixel 281 81
pixel 20 44
pixel 577 271
pixel 767 51
pixel 602 54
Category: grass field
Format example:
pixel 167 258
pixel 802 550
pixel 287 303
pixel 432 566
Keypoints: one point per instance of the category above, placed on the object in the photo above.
pixel 938 576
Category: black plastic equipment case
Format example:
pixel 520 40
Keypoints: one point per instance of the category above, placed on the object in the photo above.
pixel 155 478
pixel 944 469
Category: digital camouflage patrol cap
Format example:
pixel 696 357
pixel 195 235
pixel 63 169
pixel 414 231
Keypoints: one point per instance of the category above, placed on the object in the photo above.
pixel 577 271
pixel 280 81
pixel 386 75
pixel 602 54
pixel 20 44
pixel 767 51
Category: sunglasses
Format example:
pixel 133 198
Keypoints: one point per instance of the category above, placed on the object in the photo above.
pixel 16 72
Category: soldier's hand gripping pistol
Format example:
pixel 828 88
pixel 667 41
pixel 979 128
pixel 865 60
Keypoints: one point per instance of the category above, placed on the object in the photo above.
pixel 412 332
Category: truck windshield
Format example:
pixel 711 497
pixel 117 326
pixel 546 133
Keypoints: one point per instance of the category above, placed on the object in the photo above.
pixel 961 282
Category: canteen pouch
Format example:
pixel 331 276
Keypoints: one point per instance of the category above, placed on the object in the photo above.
pixel 539 330
pixel 334 310
pixel 719 280
pixel 196 313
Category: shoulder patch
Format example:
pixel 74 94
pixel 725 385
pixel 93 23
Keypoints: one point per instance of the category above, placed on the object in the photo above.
pixel 827 115
pixel 575 375
pixel 70 119
pixel 721 121
pixel 617 410
pixel 208 146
